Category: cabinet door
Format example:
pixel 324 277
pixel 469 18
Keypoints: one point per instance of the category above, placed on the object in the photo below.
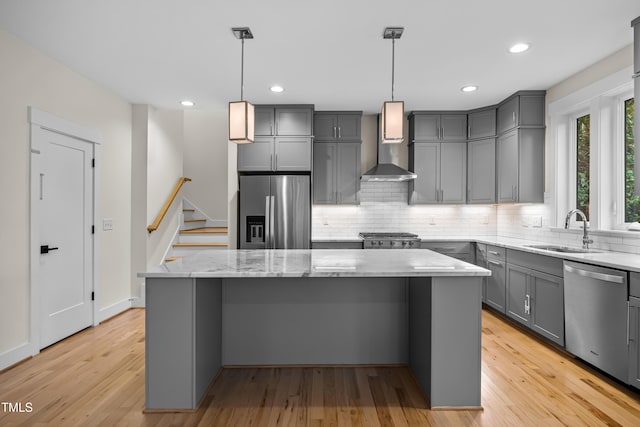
pixel 348 173
pixel 453 172
pixel 634 342
pixel 256 157
pixel 325 127
pixel 293 121
pixel 531 110
pixel 482 124
pixel 454 127
pixel 547 306
pixel 518 296
pixel 324 173
pixel 426 127
pixel 530 183
pixel 425 188
pixel 349 127
pixel 292 154
pixel 507 166
pixel 263 120
pixel 481 261
pixel 496 288
pixel 481 181
pixel 508 115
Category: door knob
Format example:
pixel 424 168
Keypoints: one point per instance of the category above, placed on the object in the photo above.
pixel 44 249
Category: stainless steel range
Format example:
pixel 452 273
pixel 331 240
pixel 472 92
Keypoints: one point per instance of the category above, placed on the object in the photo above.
pixel 390 240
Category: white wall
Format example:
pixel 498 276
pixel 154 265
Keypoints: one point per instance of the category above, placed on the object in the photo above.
pixel 28 78
pixel 205 161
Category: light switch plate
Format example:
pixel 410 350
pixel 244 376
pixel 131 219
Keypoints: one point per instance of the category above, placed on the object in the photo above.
pixel 107 224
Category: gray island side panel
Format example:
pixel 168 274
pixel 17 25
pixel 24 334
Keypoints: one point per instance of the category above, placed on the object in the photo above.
pixel 315 321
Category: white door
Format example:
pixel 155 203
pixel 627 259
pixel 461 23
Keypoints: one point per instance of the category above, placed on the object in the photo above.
pixel 64 207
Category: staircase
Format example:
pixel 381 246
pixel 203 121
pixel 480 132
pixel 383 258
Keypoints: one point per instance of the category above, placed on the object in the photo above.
pixel 197 233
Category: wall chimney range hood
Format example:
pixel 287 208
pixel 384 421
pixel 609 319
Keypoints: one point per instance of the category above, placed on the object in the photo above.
pixel 387 169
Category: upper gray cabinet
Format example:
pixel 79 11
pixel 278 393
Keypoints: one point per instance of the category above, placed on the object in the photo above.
pixel 481 171
pixel 274 120
pixel 337 126
pixel 523 109
pixel 482 123
pixel 282 142
pixel 437 126
pixel 441 168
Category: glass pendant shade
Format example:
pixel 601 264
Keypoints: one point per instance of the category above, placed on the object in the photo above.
pixel 241 122
pixel 392 122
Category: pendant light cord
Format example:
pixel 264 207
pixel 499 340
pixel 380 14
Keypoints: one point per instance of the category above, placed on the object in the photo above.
pixel 393 62
pixel 242 71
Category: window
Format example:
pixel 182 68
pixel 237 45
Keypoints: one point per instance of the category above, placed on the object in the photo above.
pixel 583 129
pixel 632 202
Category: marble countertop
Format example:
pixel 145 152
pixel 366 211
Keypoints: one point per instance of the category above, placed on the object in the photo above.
pixel 316 263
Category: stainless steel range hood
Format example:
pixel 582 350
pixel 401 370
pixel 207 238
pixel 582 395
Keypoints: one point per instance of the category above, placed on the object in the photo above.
pixel 387 169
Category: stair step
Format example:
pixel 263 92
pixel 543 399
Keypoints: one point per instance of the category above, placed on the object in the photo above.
pixel 206 230
pixel 195 220
pixel 198 244
pixel 171 258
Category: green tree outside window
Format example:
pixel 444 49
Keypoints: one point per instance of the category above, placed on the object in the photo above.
pixel 582 177
pixel 631 208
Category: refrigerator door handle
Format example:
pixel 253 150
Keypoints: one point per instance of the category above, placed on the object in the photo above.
pixel 267 222
pixel 272 223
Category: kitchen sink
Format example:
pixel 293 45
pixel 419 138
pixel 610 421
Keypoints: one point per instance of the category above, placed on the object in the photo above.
pixel 563 249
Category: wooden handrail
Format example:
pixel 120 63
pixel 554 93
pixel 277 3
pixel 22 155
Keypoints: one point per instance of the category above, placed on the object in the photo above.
pixel 165 208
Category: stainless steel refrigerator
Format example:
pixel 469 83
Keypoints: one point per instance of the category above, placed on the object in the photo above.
pixel 275 212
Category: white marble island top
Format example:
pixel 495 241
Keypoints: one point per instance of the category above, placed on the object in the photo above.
pixel 316 263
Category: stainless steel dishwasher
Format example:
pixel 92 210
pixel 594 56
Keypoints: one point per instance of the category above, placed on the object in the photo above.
pixel 596 316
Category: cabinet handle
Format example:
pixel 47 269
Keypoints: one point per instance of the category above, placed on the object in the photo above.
pixel 527 304
pixel 469 130
pixel 271 161
pixel 499 264
pixel 442 195
pixel 339 132
pixel 628 323
pixel 276 161
pixel 513 114
pixel 270 129
pixel 334 133
pixel 494 252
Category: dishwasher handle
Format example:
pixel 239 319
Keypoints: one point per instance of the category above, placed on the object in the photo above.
pixel 612 278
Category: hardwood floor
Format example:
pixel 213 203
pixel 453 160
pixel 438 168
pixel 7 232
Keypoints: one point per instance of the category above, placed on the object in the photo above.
pixel 96 378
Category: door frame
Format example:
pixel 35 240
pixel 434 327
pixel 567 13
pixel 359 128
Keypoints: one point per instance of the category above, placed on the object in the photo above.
pixel 41 120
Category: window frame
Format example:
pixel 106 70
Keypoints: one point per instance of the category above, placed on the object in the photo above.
pixel 604 101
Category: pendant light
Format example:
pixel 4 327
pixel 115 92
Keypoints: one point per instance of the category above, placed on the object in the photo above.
pixel 241 113
pixel 392 120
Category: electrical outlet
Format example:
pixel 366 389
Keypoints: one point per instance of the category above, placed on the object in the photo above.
pixel 536 221
pixel 432 220
pixel 107 224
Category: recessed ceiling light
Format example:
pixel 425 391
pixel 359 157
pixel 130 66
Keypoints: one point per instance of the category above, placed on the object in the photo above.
pixel 469 88
pixel 519 48
pixel 187 103
pixel 276 89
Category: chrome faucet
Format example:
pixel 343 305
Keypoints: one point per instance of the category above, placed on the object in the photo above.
pixel 585 236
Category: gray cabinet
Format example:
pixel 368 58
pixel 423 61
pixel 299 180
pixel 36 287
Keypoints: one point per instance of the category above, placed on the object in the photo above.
pixel 481 261
pixel 273 120
pixel 524 108
pixel 496 283
pixel 634 329
pixel 535 293
pixel 436 126
pixel 482 123
pixel 336 172
pixel 458 250
pixel 441 170
pixel 337 126
pixel 520 166
pixel 279 154
pixel 481 167
pixel 282 142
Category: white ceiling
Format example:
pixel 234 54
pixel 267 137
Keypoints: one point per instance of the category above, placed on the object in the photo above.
pixel 329 53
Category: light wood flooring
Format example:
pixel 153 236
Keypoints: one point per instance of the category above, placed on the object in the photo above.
pixel 96 378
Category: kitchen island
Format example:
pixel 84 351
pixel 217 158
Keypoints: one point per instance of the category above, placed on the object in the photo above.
pixel 229 308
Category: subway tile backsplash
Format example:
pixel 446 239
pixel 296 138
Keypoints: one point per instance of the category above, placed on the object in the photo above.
pixel 384 208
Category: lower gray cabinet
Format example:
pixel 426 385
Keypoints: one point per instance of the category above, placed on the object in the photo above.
pixel 458 250
pixel 496 288
pixel 536 298
pixel 336 173
pixel 350 244
pixel 634 342
pixel 481 261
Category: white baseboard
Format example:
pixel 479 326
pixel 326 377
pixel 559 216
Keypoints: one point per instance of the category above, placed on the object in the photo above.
pixel 112 310
pixel 17 354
